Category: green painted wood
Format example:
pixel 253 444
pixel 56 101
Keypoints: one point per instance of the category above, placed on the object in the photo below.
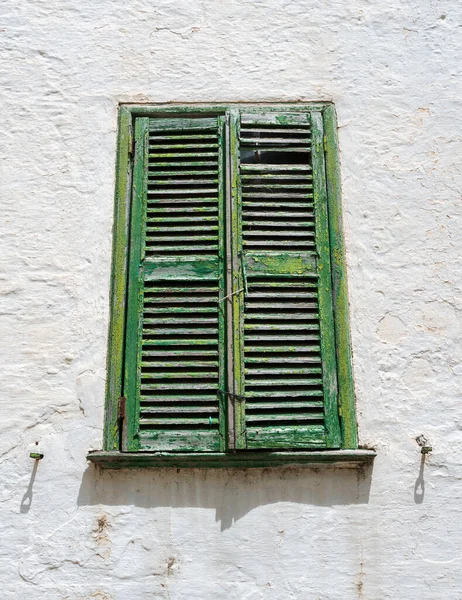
pixel 222 322
pixel 115 355
pixel 326 313
pixel 181 124
pixel 350 459
pixel 174 279
pixel 238 284
pixel 288 263
pixel 268 424
pixel 198 109
pixel 291 436
pixel 339 284
pixel 256 198
pixel 134 324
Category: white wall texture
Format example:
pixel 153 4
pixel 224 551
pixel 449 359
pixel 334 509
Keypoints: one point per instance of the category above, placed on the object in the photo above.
pixel 69 533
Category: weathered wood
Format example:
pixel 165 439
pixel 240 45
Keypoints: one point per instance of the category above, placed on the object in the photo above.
pixel 118 281
pixel 287 437
pixel 182 124
pixel 333 437
pixel 351 459
pixel 238 284
pixel 283 119
pixel 133 333
pixel 339 283
pixel 172 234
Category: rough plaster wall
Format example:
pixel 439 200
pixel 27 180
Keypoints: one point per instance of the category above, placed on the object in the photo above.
pixel 393 70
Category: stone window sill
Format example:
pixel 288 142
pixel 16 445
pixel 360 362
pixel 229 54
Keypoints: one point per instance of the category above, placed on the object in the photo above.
pixel 215 460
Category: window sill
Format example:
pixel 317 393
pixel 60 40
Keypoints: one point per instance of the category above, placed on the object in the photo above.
pixel 207 460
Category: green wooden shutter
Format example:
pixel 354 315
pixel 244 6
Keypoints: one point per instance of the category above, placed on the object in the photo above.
pixel 174 358
pixel 285 372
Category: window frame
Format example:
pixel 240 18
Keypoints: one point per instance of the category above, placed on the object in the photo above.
pixel 119 274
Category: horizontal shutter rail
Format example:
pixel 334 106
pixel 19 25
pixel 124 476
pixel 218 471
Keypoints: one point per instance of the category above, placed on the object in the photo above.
pixel 179 124
pixel 281 119
pixel 267 128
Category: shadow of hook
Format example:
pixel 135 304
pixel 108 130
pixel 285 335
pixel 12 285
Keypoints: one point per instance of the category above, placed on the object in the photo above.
pixel 419 486
pixel 26 501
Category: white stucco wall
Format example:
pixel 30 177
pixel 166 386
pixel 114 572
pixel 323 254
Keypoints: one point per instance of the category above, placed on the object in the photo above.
pixel 393 70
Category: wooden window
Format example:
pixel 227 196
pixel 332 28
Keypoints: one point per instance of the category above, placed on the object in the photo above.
pixel 229 330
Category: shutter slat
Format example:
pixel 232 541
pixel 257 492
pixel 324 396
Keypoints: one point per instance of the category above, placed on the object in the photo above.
pixel 165 401
pixel 178 136
pixel 268 168
pixel 277 195
pixel 272 205
pixel 183 163
pixel 255 394
pixel 171 146
pixel 271 140
pixel 283 371
pixel 283 405
pixel 175 173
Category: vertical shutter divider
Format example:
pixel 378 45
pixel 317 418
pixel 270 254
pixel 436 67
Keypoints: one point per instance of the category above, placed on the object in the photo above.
pixel 228 306
pixel 238 284
pixel 222 276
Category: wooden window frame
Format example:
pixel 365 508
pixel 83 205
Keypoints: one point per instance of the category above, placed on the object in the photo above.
pixel 349 454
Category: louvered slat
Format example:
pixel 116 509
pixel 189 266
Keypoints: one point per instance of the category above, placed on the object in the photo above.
pixel 269 180
pixel 276 333
pixel 183 181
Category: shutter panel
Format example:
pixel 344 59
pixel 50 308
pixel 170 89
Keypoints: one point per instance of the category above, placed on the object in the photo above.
pixel 285 354
pixel 174 339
